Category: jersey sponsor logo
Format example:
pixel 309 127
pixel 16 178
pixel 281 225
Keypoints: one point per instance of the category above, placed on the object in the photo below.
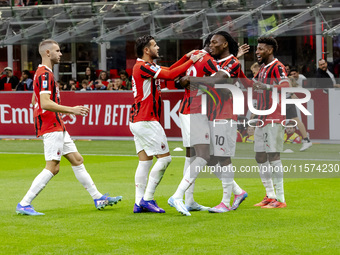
pixel 45 84
pixel 154 68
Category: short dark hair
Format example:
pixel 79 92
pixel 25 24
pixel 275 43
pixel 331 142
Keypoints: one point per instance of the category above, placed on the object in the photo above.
pixel 269 41
pixel 294 69
pixel 27 73
pixel 232 44
pixel 124 72
pixel 141 43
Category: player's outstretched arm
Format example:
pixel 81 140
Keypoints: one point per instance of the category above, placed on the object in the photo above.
pixel 182 60
pixel 168 74
pixel 48 105
pixel 193 83
pixel 244 80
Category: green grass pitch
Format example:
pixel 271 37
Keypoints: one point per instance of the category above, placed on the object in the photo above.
pixel 71 225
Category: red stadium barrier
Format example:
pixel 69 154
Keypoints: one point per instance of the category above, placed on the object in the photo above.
pixel 109 113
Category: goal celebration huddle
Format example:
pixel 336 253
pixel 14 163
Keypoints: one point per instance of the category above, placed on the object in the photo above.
pixel 206 143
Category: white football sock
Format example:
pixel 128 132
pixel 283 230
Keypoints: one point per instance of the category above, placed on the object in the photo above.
pixel 227 183
pixel 278 180
pixel 85 179
pixel 236 189
pixel 189 193
pixel 156 176
pixel 141 178
pixel 189 177
pixel 37 186
pixel 266 177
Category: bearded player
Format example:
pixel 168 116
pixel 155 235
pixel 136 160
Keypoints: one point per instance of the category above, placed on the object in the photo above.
pixel 269 133
pixel 149 135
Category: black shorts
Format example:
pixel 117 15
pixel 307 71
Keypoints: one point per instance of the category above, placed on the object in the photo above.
pixel 291 111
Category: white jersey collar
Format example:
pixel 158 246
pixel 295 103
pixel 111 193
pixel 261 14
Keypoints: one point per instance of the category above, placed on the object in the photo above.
pixel 224 59
pixel 46 67
pixel 275 59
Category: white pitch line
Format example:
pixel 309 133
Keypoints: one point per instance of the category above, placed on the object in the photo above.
pixel 120 155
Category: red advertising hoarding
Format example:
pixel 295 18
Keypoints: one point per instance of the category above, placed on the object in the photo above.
pixel 109 114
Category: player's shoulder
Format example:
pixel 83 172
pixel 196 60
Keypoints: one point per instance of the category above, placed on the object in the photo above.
pixel 277 64
pixel 145 67
pixel 43 71
pixel 235 59
pixel 196 52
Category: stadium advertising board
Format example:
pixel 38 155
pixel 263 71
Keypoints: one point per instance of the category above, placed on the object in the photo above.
pixel 109 114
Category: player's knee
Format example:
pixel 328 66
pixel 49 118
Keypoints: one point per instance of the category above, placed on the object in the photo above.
pixel 55 170
pixel 78 160
pixel 274 156
pixel 206 158
pixel 261 158
pixel 166 160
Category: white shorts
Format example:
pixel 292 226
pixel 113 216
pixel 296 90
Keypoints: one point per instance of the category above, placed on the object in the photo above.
pixel 57 144
pixel 195 129
pixel 269 138
pixel 223 138
pixel 150 137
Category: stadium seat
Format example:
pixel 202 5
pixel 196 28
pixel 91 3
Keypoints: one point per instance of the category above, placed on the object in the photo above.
pixel 129 71
pixel 17 74
pixel 113 73
pixel 7 87
pixel 98 72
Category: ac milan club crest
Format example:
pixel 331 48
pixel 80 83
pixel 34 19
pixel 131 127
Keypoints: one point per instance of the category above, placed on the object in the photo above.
pixel 207 136
pixel 58 152
pixel 163 146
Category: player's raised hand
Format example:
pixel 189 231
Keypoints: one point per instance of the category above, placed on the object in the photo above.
pixel 80 110
pixel 243 49
pixel 188 55
pixel 198 56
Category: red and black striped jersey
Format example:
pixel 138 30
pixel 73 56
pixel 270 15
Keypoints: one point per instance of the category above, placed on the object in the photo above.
pixel 46 121
pixel 272 74
pixel 146 91
pixel 206 66
pixel 232 67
